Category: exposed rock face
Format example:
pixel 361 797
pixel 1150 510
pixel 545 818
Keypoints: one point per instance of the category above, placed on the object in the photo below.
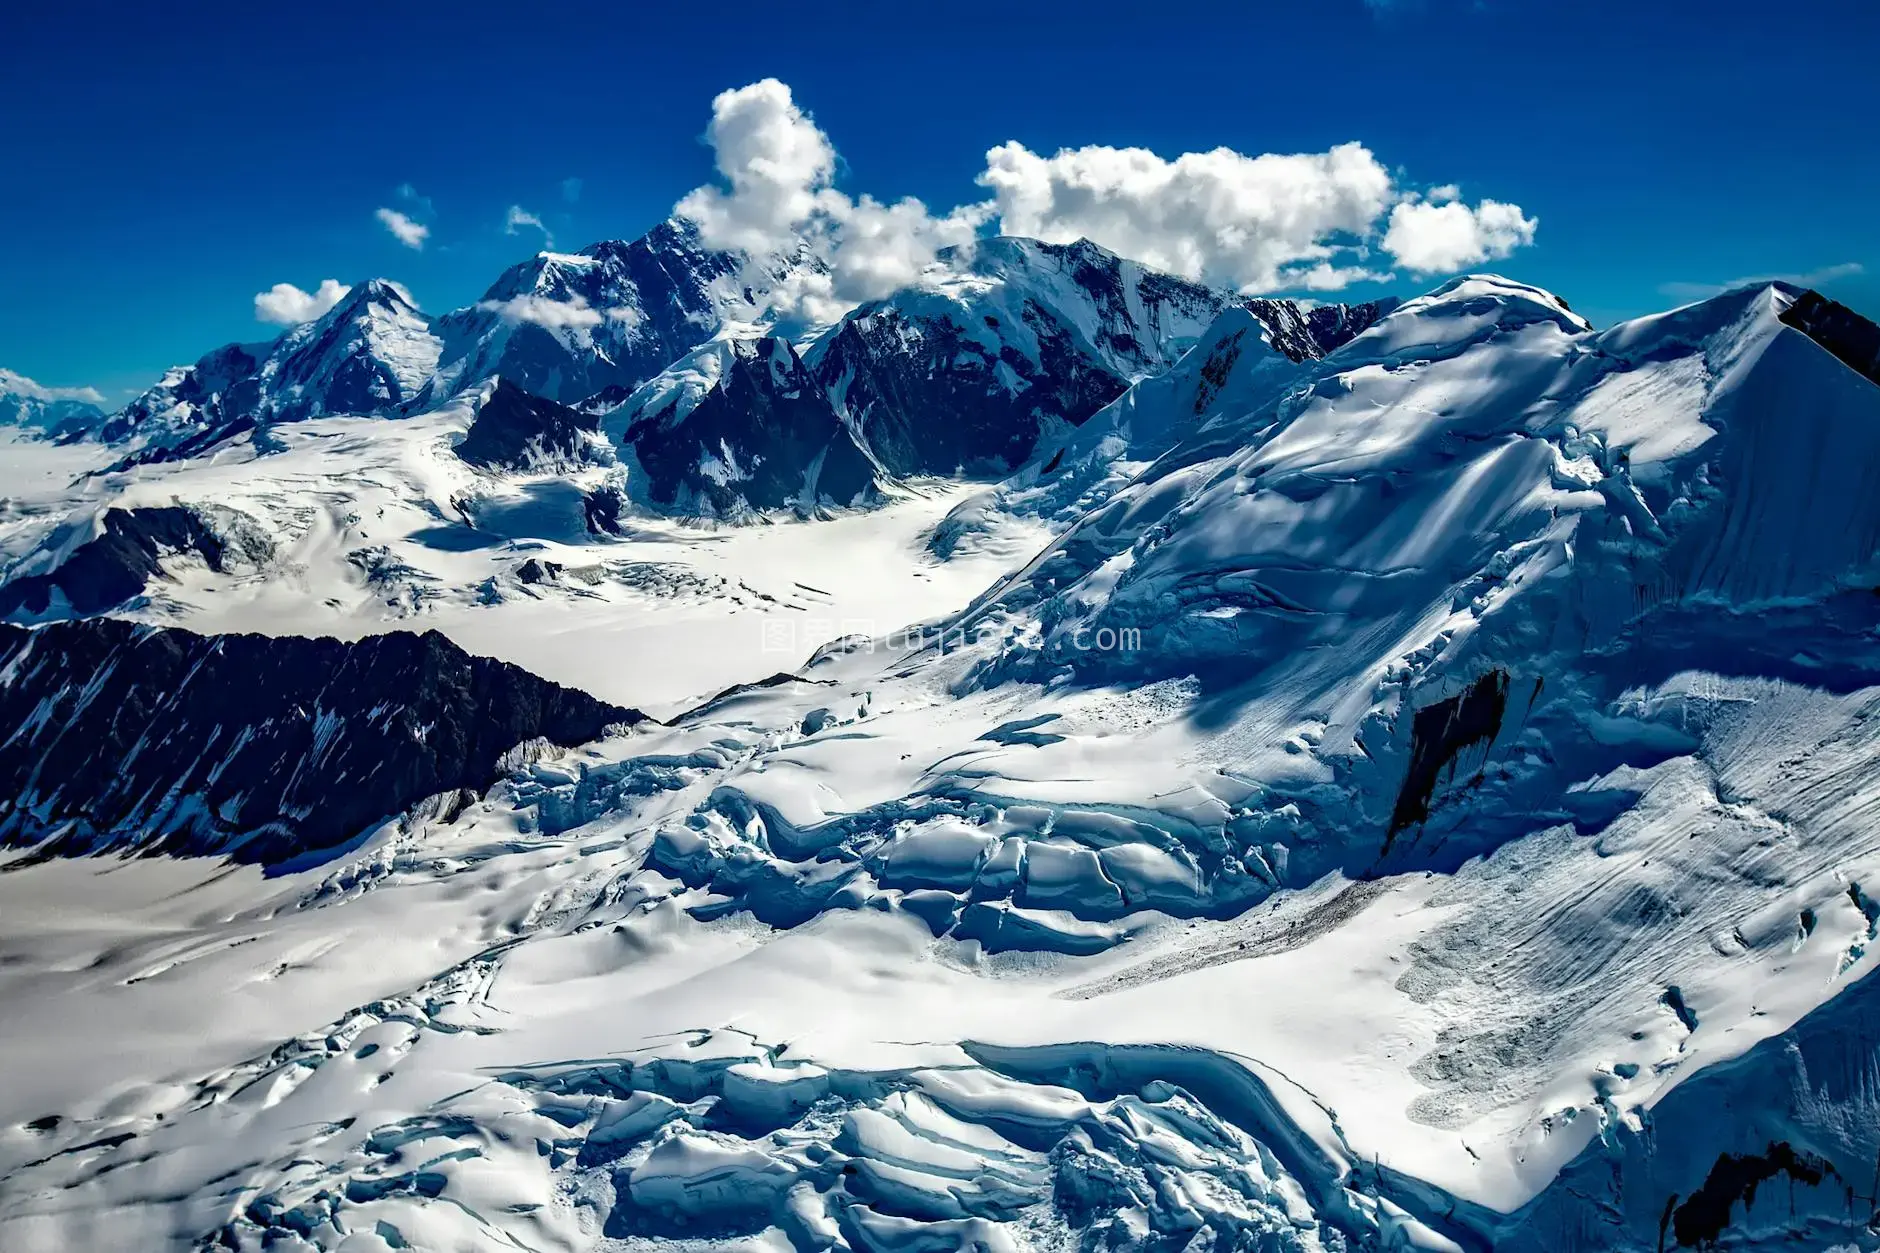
pixel 1853 340
pixel 1440 734
pixel 262 749
pixel 764 436
pixel 601 509
pixel 1308 334
pixel 930 397
pixel 519 432
pixel 118 565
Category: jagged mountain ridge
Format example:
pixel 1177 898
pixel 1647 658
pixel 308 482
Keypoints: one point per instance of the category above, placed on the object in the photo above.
pixel 29 406
pixel 257 748
pixel 563 326
pixel 966 372
pixel 372 353
pixel 566 326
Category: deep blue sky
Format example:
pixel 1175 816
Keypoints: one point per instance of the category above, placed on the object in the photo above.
pixel 158 167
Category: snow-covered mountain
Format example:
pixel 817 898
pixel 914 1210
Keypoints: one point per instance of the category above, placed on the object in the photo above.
pixel 1420 796
pixel 568 325
pixel 373 352
pixel 741 424
pixel 996 350
pixel 562 326
pixel 514 431
pixel 48 410
pixel 1249 356
pixel 967 372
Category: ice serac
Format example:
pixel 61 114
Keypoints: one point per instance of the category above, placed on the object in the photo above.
pixel 1572 630
pixel 567 326
pixel 373 352
pixel 515 431
pixel 262 749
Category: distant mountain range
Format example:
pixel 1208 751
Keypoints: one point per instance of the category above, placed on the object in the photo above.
pixel 1003 347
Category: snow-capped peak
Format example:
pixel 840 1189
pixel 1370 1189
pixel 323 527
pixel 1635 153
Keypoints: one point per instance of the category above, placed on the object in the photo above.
pixel 31 405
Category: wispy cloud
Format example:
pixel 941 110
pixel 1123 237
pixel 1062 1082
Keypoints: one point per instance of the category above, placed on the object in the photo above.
pixel 571 189
pixel 408 232
pixel 287 305
pixel 1808 278
pixel 16 384
pixel 419 204
pixel 542 311
pixel 518 218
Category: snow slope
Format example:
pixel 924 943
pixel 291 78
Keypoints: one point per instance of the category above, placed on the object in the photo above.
pixel 1430 806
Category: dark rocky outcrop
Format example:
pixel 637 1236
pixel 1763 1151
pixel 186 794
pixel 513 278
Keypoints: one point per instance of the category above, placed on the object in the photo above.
pixel 515 431
pixel 117 736
pixel 1702 1219
pixel 1853 340
pixel 601 509
pixel 1308 334
pixel 118 564
pixel 1438 735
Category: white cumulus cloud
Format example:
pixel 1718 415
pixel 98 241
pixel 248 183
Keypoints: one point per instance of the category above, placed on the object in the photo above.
pixel 1432 237
pixel 1254 223
pixel 543 311
pixel 13 383
pixel 288 305
pixel 518 218
pixel 1317 221
pixel 778 168
pixel 410 233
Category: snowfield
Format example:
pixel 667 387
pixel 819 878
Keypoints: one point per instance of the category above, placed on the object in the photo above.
pixel 1426 797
